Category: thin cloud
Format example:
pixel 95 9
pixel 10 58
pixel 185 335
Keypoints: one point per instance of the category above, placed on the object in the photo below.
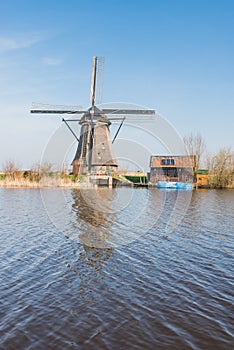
pixel 20 42
pixel 50 61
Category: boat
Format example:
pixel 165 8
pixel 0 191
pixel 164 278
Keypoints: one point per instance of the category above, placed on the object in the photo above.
pixel 175 185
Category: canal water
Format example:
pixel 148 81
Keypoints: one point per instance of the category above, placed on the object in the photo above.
pixel 116 269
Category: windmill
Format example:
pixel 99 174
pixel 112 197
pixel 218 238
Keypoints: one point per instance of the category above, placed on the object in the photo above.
pixel 94 152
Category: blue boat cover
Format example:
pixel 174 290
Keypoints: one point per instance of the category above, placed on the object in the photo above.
pixel 175 185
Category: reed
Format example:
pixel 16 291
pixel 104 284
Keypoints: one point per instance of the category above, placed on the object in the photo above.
pixel 39 182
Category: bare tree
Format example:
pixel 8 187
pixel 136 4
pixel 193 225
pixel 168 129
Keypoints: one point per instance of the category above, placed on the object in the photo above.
pixel 10 168
pixel 221 168
pixel 195 145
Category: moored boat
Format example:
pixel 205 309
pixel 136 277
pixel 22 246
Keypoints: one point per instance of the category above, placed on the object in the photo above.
pixel 175 185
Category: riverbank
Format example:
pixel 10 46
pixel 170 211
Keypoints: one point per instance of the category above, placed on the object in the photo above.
pixel 70 181
pixel 59 183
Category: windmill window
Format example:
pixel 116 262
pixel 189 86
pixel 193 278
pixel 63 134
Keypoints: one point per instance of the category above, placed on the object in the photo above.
pixel 103 146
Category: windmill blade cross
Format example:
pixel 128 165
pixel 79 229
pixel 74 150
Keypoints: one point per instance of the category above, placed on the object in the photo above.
pixel 94 126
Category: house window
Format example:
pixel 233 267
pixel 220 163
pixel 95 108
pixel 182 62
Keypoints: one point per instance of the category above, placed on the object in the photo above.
pixel 168 161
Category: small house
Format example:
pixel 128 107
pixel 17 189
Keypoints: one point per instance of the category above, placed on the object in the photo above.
pixel 179 168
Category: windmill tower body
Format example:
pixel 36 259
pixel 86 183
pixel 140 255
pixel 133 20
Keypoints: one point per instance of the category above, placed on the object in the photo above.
pixel 95 151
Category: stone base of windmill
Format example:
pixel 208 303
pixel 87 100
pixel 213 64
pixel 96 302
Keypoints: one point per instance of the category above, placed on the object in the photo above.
pixel 93 181
pixel 100 180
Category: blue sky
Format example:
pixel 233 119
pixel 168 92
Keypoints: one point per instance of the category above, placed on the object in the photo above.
pixel 172 55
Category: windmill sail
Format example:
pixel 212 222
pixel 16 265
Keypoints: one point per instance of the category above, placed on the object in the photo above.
pixel 93 83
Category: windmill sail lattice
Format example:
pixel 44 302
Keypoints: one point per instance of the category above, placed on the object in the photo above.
pixel 95 151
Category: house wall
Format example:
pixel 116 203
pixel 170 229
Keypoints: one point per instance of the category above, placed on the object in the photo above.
pixel 172 168
pixel 202 180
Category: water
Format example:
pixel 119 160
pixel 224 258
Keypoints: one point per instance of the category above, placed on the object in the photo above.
pixel 165 287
